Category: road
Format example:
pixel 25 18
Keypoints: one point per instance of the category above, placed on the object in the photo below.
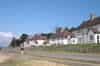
pixel 72 59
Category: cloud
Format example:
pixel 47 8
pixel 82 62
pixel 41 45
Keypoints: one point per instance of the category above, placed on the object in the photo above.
pixel 7 34
pixel 5 38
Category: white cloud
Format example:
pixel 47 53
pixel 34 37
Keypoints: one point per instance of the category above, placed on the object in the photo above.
pixel 7 34
pixel 6 37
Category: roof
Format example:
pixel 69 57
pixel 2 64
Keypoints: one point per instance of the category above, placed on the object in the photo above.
pixel 67 33
pixel 89 23
pixel 64 34
pixel 95 30
pixel 39 37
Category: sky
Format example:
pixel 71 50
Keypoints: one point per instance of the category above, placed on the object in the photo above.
pixel 5 38
pixel 37 16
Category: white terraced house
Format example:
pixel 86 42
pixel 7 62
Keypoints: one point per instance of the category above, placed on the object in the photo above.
pixel 88 32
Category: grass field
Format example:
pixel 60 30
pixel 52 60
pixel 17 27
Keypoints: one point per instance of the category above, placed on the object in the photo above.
pixel 82 48
pixel 47 56
pixel 31 63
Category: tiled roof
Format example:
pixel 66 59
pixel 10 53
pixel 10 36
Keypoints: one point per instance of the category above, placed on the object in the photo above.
pixel 39 37
pixel 95 30
pixel 89 23
pixel 64 34
pixel 67 33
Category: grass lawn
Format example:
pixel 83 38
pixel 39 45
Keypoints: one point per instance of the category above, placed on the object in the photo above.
pixel 31 63
pixel 80 48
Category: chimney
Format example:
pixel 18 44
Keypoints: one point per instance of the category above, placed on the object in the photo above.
pixel 92 16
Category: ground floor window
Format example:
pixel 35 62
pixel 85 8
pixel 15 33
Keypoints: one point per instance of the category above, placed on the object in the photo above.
pixel 91 37
pixel 98 39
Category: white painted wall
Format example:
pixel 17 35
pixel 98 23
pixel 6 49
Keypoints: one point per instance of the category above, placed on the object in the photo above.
pixel 26 44
pixel 90 33
pixel 53 41
pixel 40 42
pixel 65 41
pixel 95 38
pixel 74 41
pixel 58 41
pixel 32 43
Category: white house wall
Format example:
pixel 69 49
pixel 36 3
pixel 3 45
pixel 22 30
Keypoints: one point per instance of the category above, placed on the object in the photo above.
pixel 40 42
pixel 79 38
pixel 52 41
pixel 74 41
pixel 96 38
pixel 26 44
pixel 90 33
pixel 65 41
pixel 32 43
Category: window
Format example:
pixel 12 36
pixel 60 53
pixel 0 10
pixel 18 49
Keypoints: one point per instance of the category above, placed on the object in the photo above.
pixel 98 37
pixel 73 41
pixel 91 37
pixel 65 36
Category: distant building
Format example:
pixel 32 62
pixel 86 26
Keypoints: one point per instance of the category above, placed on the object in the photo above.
pixel 88 32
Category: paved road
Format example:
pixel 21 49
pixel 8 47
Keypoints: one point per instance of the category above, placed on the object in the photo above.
pixel 73 59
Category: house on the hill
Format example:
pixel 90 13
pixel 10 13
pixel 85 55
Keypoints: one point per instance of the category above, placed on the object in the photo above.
pixel 89 31
pixel 63 37
pixel 36 40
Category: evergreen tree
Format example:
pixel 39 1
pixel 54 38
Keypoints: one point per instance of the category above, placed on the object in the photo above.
pixel 23 37
pixel 13 42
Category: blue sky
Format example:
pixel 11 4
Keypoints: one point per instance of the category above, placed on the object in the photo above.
pixel 36 16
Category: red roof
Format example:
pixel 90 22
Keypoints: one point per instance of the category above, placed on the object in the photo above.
pixel 95 30
pixel 64 34
pixel 89 23
pixel 39 37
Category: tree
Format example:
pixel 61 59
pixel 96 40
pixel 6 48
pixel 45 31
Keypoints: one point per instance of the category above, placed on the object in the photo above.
pixel 72 29
pixel 16 42
pixel 58 29
pixel 49 35
pixel 44 34
pixel 13 42
pixel 23 37
pixel 66 28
